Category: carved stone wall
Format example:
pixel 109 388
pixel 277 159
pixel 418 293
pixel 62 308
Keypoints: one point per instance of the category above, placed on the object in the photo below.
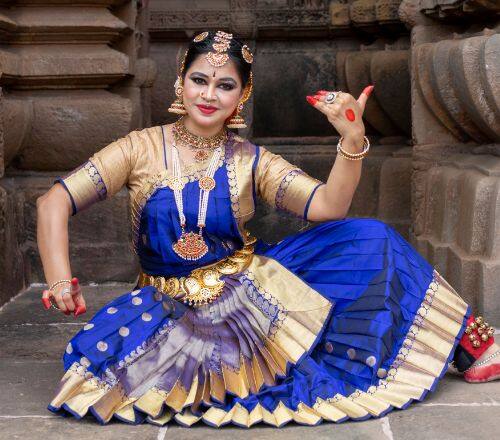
pixel 74 77
pixel 455 74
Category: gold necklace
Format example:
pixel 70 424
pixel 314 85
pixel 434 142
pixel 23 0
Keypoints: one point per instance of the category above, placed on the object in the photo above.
pixel 192 245
pixel 199 144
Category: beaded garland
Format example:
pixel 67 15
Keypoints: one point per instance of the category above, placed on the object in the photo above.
pixel 191 245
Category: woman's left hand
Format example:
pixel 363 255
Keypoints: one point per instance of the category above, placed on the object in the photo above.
pixel 344 113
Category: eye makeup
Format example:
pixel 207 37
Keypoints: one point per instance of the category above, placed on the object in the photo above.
pixel 224 83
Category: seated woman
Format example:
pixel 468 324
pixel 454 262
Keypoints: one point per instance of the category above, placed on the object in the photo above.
pixel 342 321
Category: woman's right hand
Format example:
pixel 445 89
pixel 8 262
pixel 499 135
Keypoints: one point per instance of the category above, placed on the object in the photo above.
pixel 70 302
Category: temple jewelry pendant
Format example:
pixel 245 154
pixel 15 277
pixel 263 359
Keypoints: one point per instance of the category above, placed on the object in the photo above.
pixel 175 183
pixel 201 155
pixel 207 183
pixel 190 246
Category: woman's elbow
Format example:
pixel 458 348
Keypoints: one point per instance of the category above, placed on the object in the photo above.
pixel 54 199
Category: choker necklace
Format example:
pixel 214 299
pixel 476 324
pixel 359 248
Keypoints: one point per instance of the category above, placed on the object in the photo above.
pixel 191 245
pixel 199 144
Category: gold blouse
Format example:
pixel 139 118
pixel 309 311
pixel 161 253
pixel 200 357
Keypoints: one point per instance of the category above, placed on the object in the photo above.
pixel 137 162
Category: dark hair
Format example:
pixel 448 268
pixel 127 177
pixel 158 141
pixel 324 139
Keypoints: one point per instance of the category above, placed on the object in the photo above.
pixel 203 47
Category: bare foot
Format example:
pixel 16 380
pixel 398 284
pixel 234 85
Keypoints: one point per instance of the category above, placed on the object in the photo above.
pixel 486 368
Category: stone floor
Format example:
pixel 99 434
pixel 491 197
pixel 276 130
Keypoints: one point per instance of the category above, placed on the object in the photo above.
pixel 32 341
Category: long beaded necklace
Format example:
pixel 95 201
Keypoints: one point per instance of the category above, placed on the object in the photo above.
pixel 199 144
pixel 191 245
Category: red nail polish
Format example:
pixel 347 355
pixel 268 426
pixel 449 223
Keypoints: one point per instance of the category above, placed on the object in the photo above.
pixel 311 100
pixel 349 114
pixel 322 92
pixel 67 312
pixel 317 97
pixel 74 281
pixel 46 303
pixel 368 90
pixel 80 310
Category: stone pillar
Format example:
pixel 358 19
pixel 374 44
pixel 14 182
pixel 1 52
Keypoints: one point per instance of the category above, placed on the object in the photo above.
pixel 74 75
pixel 455 76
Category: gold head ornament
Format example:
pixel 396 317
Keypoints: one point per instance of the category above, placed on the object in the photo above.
pixel 219 56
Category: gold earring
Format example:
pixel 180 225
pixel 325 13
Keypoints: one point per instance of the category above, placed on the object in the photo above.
pixel 178 106
pixel 236 120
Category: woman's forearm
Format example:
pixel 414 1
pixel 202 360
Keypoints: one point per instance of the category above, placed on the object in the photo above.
pixel 332 200
pixel 53 211
pixel 343 180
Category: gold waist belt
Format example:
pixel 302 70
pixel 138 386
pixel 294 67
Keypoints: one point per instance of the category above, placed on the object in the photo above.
pixel 202 285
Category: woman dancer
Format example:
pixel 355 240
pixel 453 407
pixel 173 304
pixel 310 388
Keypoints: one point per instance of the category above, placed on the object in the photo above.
pixel 342 321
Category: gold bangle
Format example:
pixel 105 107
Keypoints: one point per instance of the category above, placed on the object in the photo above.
pixel 354 156
pixel 59 282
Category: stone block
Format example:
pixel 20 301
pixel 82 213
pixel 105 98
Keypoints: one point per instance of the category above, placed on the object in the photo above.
pixel 489 286
pixel 475 212
pixel 302 69
pixel 67 128
pixel 388 109
pixel 63 23
pixel 12 270
pixel 56 65
pixel 458 80
pixel 395 188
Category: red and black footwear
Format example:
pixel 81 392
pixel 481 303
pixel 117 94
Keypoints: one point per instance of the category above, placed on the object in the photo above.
pixel 483 370
pixel 476 340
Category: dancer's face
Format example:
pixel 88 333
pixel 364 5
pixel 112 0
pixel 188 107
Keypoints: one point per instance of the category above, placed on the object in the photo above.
pixel 211 94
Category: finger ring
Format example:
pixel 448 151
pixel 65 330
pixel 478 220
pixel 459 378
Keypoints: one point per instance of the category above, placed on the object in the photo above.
pixel 331 97
pixel 53 305
pixel 64 291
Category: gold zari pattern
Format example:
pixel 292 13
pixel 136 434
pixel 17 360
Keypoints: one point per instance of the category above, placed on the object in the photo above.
pixel 203 285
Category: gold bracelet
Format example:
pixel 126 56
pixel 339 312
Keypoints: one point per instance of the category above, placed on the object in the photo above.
pixel 354 156
pixel 59 282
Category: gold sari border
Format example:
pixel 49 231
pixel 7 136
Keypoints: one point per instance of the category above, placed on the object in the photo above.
pixel 295 192
pixel 240 157
pixel 85 186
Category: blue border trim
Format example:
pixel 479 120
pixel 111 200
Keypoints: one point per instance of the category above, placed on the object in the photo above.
pixel 73 204
pixel 164 147
pixel 254 168
pixel 306 209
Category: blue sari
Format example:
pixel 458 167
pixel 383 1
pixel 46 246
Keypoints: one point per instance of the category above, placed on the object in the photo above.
pixel 342 321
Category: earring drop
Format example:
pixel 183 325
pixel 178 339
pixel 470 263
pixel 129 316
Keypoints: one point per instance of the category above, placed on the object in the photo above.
pixel 178 106
pixel 237 121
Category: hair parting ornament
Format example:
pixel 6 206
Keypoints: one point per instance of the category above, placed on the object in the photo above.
pixel 218 57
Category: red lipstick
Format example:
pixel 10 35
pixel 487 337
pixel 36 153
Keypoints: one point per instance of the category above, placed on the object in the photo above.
pixel 206 109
